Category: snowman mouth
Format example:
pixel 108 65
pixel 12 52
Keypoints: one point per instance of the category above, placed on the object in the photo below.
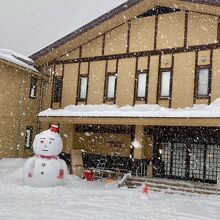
pixel 45 150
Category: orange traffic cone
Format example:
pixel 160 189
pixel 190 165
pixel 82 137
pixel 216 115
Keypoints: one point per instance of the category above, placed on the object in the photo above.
pixel 145 189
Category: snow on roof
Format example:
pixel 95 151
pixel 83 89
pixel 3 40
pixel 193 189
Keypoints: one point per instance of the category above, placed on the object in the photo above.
pixel 140 110
pixel 16 58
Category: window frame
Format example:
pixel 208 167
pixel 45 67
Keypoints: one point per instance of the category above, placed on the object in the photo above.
pixel 197 95
pixel 160 84
pixel 141 98
pixel 33 82
pixel 30 142
pixel 58 98
pixel 79 99
pixel 107 75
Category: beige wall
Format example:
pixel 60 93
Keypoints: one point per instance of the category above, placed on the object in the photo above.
pixel 142 34
pixel 70 80
pixel 215 75
pixel 17 111
pixel 96 82
pixel 125 82
pixel 153 78
pixel 170 30
pixel 93 48
pixel 183 80
pixel 202 29
pixel 116 40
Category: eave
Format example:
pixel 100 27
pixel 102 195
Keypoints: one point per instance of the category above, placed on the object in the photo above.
pixel 206 122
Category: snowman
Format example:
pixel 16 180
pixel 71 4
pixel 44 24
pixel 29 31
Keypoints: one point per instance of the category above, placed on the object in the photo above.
pixel 46 169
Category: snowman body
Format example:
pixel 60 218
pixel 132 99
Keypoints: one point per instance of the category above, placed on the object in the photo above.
pixel 46 169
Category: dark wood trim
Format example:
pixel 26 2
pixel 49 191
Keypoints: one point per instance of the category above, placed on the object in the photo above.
pixel 77 90
pixel 186 29
pixel 87 89
pixel 111 129
pixel 148 67
pixel 116 84
pixel 52 92
pixel 171 81
pixel 105 83
pixel 80 51
pixel 156 32
pixel 210 77
pixel 195 77
pixel 135 80
pixel 128 36
pixel 158 80
pixel 218 31
pixel 143 53
pixel 62 85
pixel 103 45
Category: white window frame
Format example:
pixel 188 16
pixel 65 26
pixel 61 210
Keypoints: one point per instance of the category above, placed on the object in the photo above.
pixel 165 92
pixel 28 137
pixel 138 96
pixel 33 88
pixel 110 95
pixel 207 84
pixel 83 94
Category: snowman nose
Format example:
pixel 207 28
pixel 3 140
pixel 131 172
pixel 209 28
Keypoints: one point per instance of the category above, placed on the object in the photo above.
pixel 42 142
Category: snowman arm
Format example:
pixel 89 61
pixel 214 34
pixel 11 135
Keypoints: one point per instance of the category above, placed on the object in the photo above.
pixel 61 169
pixel 29 167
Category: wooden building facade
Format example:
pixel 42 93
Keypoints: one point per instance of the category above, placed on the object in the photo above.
pixel 163 52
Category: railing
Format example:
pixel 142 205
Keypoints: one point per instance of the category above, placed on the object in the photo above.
pixel 142 169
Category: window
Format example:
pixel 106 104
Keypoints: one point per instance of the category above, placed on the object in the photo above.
pixel 57 88
pixel 83 86
pixel 28 137
pixel 33 88
pixel 165 84
pixel 110 86
pixel 203 82
pixel 141 85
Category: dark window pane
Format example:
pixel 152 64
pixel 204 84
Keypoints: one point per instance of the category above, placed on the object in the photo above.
pixel 33 88
pixel 57 89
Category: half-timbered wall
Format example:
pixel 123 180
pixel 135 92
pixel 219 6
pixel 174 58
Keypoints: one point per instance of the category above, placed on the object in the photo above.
pixel 180 42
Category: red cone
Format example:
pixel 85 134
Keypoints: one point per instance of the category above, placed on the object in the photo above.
pixel 145 189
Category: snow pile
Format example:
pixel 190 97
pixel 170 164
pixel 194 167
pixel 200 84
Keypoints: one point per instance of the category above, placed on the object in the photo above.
pixel 141 110
pixel 16 58
pixel 81 200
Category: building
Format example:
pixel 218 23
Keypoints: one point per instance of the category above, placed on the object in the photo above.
pixel 20 99
pixel 162 58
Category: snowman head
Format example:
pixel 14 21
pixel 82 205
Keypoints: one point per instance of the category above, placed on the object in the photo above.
pixel 48 143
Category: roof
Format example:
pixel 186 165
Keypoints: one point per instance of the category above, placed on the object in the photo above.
pixel 17 59
pixel 101 19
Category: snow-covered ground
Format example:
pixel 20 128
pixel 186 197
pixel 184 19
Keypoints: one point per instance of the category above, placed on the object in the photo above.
pixel 79 199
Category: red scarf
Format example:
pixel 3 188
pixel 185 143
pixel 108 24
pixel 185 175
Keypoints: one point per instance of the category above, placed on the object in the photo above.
pixel 46 157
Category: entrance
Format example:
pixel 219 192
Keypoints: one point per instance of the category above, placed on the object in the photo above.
pixel 190 161
pixel 185 153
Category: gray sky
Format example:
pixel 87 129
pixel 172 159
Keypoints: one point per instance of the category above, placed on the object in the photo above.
pixel 29 25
